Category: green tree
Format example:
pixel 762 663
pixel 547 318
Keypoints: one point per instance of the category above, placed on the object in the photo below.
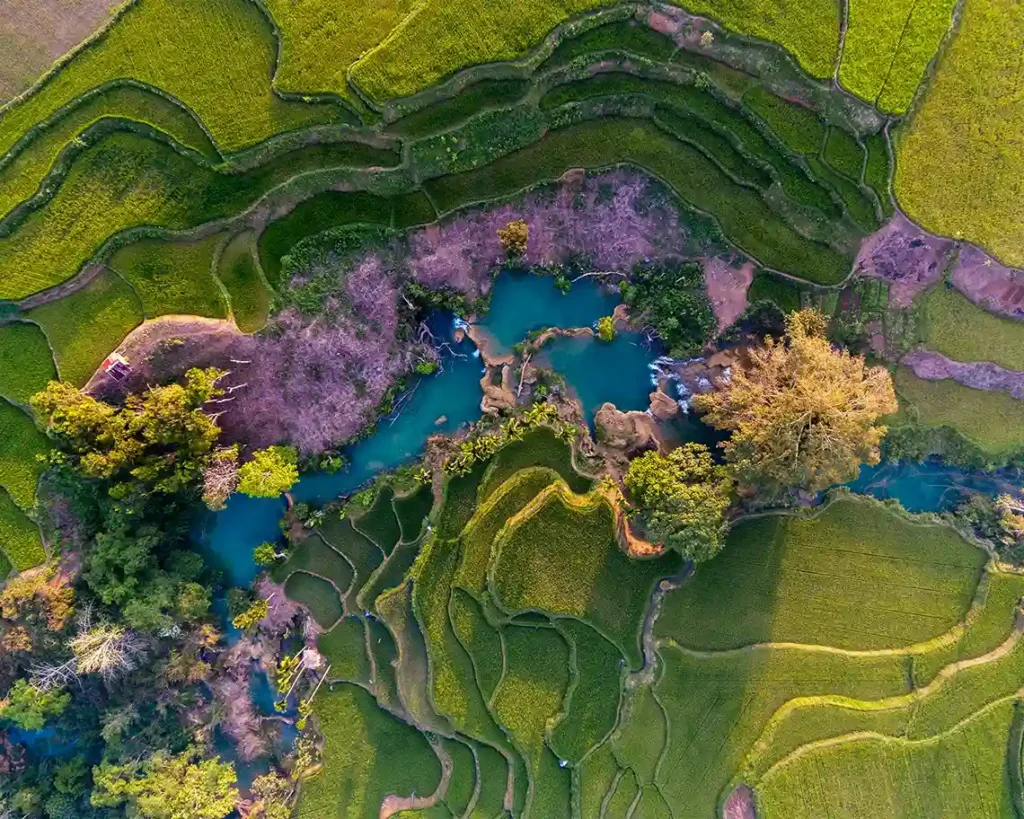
pixel 251 616
pixel 266 554
pixel 682 499
pixel 801 413
pixel 270 794
pixel 159 441
pixel 606 329
pixel 168 787
pixel 270 473
pixel 675 300
pixel 30 707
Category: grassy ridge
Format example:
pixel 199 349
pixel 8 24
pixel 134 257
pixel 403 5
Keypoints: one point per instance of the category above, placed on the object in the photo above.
pixel 315 555
pixel 560 556
pixel 364 555
pixel 889 44
pixel 19 536
pixel 126 180
pixel 20 467
pixel 539 448
pixel 173 277
pixel 956 179
pixel 838 579
pixel 992 421
pixel 26 363
pixel 439 37
pixel 344 648
pixel 84 327
pixel 180 47
pixel 809 29
pixel 896 778
pixel 368 754
pixel 745 219
pixel 317 595
pixel 379 523
pixel 239 272
pixel 955 327
pixel 320 41
pixel 22 176
pixel 531 693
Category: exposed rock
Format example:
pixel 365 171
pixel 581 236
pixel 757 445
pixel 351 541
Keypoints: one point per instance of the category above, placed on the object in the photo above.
pixel 625 431
pixel 905 256
pixel 487 345
pixel 980 375
pixel 663 407
pixel 988 283
pixel 441 420
pixel 497 397
pixel 727 289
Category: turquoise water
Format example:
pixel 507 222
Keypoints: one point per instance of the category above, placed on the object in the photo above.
pixel 930 486
pixel 596 371
pixel 522 302
pixel 229 537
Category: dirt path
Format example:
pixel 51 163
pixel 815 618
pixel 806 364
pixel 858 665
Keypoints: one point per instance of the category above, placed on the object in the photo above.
pixel 396 804
pixel 978 375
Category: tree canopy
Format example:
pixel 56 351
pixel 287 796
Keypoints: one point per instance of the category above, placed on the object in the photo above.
pixel 270 473
pixel 802 413
pixel 168 787
pixel 682 498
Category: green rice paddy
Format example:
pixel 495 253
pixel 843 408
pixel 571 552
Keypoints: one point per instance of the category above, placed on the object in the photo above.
pixel 953 326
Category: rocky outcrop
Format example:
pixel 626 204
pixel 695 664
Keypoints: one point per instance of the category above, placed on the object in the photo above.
pixel 497 396
pixel 979 375
pixel 663 407
pixel 727 289
pixel 627 432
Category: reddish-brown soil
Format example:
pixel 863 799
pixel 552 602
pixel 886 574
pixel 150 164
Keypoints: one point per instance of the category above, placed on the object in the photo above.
pixel 905 256
pixel 727 289
pixel 989 284
pixel 980 375
pixel 35 33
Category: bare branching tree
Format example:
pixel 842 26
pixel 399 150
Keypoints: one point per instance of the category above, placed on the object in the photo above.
pixel 221 477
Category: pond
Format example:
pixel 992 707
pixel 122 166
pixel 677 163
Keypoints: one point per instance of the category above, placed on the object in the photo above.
pixel 598 372
pixel 523 302
pixel 931 486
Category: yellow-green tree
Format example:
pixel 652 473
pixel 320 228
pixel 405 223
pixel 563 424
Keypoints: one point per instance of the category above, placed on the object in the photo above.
pixel 801 413
pixel 271 472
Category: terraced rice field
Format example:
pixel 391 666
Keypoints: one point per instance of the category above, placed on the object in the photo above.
pixel 953 326
pixel 857 631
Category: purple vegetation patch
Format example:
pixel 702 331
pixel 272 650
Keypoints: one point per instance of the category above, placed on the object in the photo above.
pixel 979 375
pixel 988 283
pixel 616 219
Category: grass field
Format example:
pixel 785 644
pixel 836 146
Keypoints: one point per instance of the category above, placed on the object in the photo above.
pixel 560 556
pixel 228 88
pixel 889 45
pixel 411 510
pixel 315 555
pixel 992 421
pixel 84 327
pixel 438 38
pixel 809 29
pixel 320 41
pixel 531 692
pixel 479 638
pixel 364 555
pixel 21 443
pixel 837 579
pixel 463 779
pixel 955 179
pixel 19 537
pixel 539 448
pixel 173 278
pixel 594 693
pixel 498 508
pixel 640 740
pixel 317 595
pixel 22 175
pixel 459 502
pixel 897 778
pixel 344 648
pixel 26 363
pixel 126 180
pixel 379 523
pixel 953 326
pixel 368 754
pixel 249 294
pixel 453 685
